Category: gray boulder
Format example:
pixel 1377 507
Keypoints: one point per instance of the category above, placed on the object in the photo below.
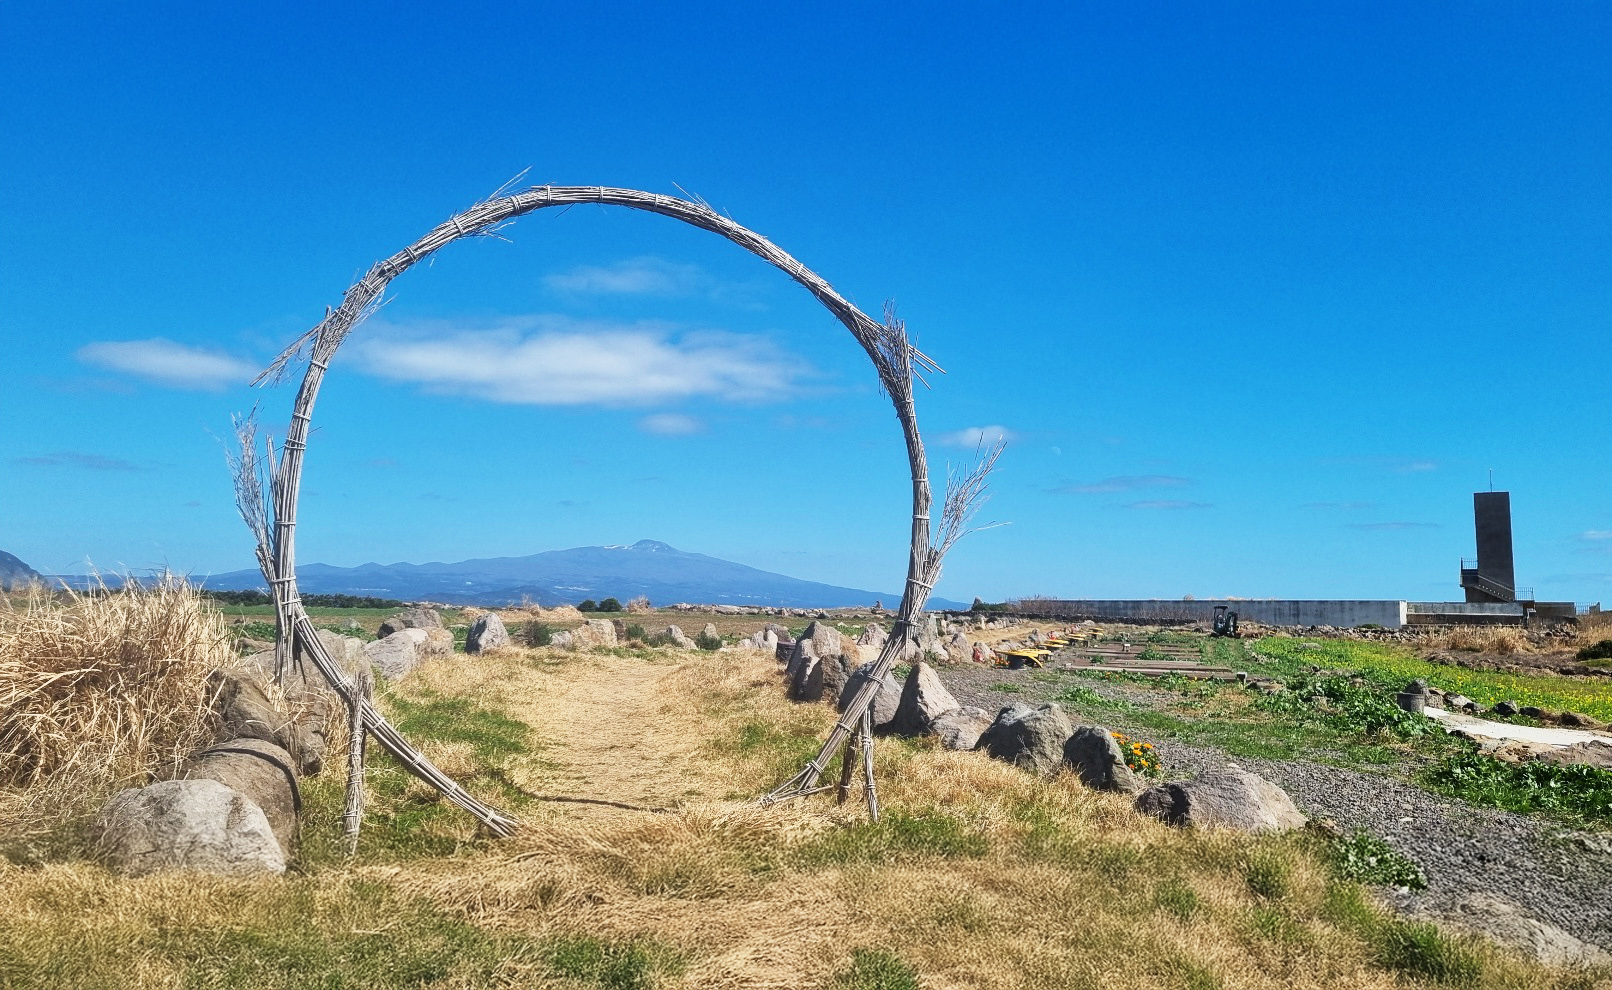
pixel 807 684
pixel 709 632
pixel 1030 738
pixel 188 825
pixel 923 699
pixel 800 652
pixel 261 771
pixel 826 640
pixel 1505 922
pixel 1094 753
pixel 561 640
pixel 1229 798
pixel 884 703
pixel 836 675
pixel 594 633
pixel 679 638
pixel 398 653
pixel 486 633
pixel 438 643
pixel 411 618
pixel 240 702
pixel 962 727
pixel 873 635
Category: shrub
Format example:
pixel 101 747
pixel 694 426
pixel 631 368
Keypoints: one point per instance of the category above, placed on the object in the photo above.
pixel 587 605
pixel 537 634
pixel 1597 651
pixel 707 642
pixel 609 605
pixel 636 631
pixel 640 604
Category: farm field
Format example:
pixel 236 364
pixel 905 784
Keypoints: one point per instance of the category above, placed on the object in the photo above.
pixel 643 860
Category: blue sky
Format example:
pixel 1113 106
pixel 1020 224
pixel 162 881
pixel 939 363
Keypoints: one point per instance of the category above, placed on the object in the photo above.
pixel 1260 293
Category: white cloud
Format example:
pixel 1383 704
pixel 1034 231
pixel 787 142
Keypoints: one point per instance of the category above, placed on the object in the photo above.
pixel 1596 534
pixel 1168 504
pixel 670 424
pixel 167 363
pixel 976 436
pixel 646 276
pixel 556 360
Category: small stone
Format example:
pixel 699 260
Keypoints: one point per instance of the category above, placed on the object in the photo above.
pixel 1505 708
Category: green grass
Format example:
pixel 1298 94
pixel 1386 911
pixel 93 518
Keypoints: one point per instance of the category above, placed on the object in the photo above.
pixel 1395 665
pixel 637 964
pixel 285 937
pixel 898 836
pixel 875 969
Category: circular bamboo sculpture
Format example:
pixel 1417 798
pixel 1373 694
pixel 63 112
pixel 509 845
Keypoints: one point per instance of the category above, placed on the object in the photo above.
pixel 267 488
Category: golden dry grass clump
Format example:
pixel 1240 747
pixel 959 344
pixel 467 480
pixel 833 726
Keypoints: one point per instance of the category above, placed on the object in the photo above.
pixel 100 690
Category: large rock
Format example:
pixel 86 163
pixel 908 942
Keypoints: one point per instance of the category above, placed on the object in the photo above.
pixel 438 643
pixel 807 684
pixel 241 703
pixel 873 636
pixel 1030 738
pixel 1229 797
pixel 836 674
pixel 188 825
pixel 764 640
pixel 923 699
pixel 1094 753
pixel 398 653
pixel 885 701
pixel 263 772
pixel 1503 921
pixel 962 727
pixel 826 640
pixel 347 651
pixel 486 633
pixel 561 640
pixel 710 633
pixel 800 652
pixel 678 637
pixel 593 633
pixel 411 618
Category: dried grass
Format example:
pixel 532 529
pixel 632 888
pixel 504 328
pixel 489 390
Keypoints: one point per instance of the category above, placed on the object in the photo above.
pixel 99 691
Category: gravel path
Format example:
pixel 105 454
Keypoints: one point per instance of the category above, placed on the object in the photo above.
pixel 1555 874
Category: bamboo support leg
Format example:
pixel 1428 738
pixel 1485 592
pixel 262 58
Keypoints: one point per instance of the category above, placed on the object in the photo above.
pixel 353 813
pixel 867 764
pixel 847 768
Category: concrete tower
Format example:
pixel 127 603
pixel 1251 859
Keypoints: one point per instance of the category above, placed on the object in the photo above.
pixel 1493 579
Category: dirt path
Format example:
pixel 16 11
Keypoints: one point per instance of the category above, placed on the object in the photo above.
pixel 614 738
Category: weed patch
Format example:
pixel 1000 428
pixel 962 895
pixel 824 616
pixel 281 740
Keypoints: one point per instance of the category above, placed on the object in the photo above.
pixel 1364 858
pixel 636 964
pixel 897 836
pixel 875 969
pixel 1576 792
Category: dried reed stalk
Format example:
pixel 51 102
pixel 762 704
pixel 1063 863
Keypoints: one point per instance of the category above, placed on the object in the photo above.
pixel 887 345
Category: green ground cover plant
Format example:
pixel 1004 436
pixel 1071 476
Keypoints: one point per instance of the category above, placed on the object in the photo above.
pixel 875 969
pixel 1395 665
pixel 1362 857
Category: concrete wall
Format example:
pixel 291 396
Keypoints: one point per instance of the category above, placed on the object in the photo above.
pixel 1463 608
pixel 1271 612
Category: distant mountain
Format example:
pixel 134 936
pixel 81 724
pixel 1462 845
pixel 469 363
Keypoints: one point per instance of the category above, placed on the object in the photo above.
pixel 662 573
pixel 14 572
